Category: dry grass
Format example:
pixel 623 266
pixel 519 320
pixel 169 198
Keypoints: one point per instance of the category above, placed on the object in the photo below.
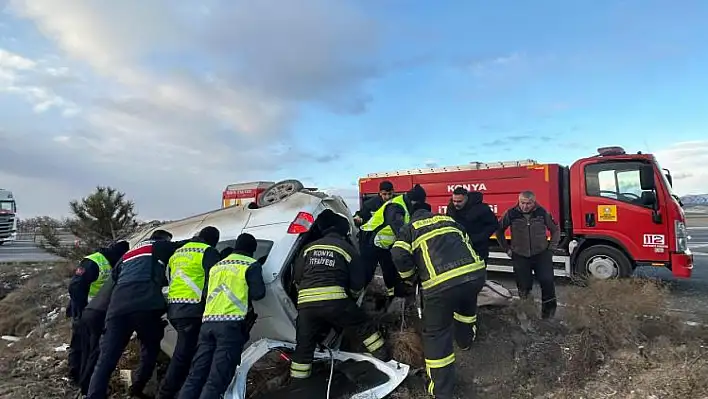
pixel 23 309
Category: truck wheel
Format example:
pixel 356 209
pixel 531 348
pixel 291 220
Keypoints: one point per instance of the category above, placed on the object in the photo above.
pixel 279 191
pixel 602 262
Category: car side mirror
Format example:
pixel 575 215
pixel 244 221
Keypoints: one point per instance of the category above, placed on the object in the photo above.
pixel 646 177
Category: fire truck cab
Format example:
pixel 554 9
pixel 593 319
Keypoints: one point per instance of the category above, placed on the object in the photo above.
pixel 616 210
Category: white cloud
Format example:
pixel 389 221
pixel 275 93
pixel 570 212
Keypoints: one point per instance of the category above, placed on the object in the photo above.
pixel 174 99
pixel 688 164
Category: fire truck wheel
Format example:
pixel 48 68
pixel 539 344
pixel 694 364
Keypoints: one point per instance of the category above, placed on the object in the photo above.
pixel 278 192
pixel 602 262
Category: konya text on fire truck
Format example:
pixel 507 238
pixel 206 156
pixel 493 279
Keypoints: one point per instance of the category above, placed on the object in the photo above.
pixel 616 211
pixel 8 216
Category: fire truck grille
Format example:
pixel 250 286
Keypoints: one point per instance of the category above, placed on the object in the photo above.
pixel 7 223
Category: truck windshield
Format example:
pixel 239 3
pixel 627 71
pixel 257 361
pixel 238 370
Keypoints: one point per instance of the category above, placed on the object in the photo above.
pixel 8 206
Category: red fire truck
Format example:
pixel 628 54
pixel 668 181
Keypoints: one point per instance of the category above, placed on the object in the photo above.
pixel 616 210
pixel 239 194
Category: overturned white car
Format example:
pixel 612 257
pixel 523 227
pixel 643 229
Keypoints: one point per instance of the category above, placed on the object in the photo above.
pixel 283 222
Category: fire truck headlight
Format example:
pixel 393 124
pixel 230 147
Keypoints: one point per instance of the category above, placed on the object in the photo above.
pixel 681 237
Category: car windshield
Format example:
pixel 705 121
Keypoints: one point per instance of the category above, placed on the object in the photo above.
pixel 7 206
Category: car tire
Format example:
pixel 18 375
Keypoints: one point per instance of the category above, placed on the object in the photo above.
pixel 278 192
pixel 602 262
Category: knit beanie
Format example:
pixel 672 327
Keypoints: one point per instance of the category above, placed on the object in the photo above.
pixel 417 194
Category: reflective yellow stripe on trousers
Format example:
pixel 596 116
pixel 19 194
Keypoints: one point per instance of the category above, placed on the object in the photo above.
pixel 437 364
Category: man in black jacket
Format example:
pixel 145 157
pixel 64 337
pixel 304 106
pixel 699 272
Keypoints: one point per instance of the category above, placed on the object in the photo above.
pixel 89 277
pixel 136 305
pixel 475 216
pixel 530 251
pixel 373 204
pixel 189 275
pixel 329 275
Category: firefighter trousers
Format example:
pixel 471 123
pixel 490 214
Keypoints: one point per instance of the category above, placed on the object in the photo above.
pixel 540 266
pixel 315 321
pixel 452 312
pixel 150 329
pixel 92 325
pixel 187 339
pixel 215 362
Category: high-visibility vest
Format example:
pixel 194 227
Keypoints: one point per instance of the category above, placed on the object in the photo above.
pixel 104 270
pixel 187 274
pixel 227 291
pixel 385 237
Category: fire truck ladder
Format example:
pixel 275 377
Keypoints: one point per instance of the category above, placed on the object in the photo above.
pixel 460 168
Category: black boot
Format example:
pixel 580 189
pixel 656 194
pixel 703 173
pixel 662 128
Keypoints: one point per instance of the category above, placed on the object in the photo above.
pixel 548 309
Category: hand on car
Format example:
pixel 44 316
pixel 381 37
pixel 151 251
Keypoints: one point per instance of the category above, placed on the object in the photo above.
pixel 358 220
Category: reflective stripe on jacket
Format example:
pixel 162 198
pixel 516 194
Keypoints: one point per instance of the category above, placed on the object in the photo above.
pixel 104 270
pixel 187 274
pixel 437 249
pixel 227 291
pixel 384 235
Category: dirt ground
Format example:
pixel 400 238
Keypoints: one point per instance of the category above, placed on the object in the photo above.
pixel 609 340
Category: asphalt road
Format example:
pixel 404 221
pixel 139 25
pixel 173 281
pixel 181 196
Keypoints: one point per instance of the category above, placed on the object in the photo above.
pixel 24 250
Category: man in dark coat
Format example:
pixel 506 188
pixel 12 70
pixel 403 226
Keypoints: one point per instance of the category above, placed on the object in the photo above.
pixel 469 210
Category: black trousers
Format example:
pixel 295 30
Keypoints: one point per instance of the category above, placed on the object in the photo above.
pixel 314 321
pixel 372 256
pixel 454 309
pixel 75 348
pixel 540 266
pixel 150 329
pixel 187 339
pixel 214 364
pixel 92 326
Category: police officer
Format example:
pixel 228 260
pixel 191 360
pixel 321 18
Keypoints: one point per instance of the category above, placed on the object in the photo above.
pixel 435 250
pixel 233 283
pixel 189 271
pixel 379 233
pixel 328 276
pixel 136 305
pixel 88 278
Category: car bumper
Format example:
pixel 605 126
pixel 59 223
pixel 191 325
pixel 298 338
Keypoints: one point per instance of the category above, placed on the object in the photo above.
pixel 682 264
pixel 11 237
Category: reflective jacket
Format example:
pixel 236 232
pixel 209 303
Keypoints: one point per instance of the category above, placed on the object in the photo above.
pixel 438 251
pixel 188 269
pixel 328 269
pixel 229 288
pixel 384 235
pixel 104 270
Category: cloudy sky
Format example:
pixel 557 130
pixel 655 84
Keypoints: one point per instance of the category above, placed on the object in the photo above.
pixel 172 100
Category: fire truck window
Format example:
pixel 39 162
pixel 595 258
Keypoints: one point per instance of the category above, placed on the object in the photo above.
pixel 619 181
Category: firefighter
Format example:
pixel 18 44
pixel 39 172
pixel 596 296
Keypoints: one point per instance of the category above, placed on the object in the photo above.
pixel 88 278
pixel 435 251
pixel 189 270
pixel 228 317
pixel 136 305
pixel 328 276
pixel 379 233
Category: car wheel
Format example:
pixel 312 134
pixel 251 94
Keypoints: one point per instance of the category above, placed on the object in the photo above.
pixel 603 262
pixel 278 192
